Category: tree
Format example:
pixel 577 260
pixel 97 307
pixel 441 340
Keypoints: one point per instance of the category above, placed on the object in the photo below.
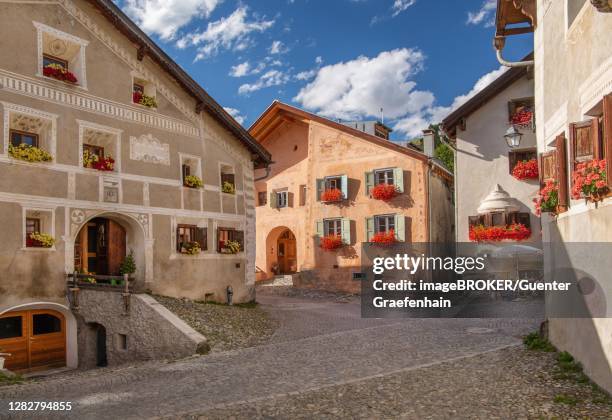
pixel 128 266
pixel 441 149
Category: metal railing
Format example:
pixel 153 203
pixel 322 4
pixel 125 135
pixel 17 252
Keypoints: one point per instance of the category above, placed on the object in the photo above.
pixel 100 282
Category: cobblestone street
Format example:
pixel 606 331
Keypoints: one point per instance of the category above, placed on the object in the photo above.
pixel 323 360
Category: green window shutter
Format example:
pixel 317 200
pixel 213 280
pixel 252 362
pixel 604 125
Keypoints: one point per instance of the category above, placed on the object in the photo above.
pixel 369 228
pixel 400 227
pixel 369 182
pixel 344 186
pixel 320 188
pixel 319 228
pixel 273 200
pixel 346 231
pixel 398 178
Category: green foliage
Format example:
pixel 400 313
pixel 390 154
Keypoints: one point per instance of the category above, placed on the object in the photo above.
pixel 148 101
pixel 128 266
pixel 29 153
pixel 10 379
pixel 565 399
pixel 193 181
pixel 192 248
pixel 232 246
pixel 533 341
pixel 228 188
pixel 446 155
pixel 43 240
pixel 567 363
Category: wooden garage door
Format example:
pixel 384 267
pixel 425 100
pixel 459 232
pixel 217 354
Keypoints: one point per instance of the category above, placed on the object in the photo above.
pixel 36 340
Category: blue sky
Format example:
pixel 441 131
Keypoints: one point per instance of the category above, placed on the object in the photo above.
pixel 340 58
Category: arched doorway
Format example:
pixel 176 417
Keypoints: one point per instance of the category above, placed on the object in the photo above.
pixel 286 253
pixel 36 339
pixel 100 247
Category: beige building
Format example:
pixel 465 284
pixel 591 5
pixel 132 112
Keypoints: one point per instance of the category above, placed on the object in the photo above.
pixel 322 184
pixel 109 147
pixel 490 191
pixel 573 102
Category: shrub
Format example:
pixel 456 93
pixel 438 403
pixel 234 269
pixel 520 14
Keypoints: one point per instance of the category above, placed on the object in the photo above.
pixel 128 266
pixel 533 341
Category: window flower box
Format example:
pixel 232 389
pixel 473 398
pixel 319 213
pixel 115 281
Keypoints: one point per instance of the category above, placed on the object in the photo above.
pixel 94 161
pixel 40 240
pixel 589 181
pixel 513 232
pixel 58 72
pixel 384 192
pixel 331 195
pixel 229 247
pixel 228 188
pixel 331 242
pixel 526 169
pixel 384 238
pixel 29 153
pixel 547 200
pixel 191 248
pixel 193 181
pixel 145 100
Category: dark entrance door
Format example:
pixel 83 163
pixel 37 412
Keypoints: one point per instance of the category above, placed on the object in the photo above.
pixel 101 359
pixel 100 247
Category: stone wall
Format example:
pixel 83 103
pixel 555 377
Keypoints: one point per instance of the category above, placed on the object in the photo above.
pixel 149 330
pixel 334 280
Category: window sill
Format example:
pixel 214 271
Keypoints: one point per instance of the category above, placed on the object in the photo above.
pixel 72 85
pixel 38 248
pixel 205 255
pixel 150 108
pixel 27 162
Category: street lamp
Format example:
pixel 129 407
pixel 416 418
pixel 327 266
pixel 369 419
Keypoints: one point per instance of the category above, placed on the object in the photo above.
pixel 513 137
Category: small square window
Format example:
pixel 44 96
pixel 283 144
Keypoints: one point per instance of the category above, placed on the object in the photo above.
pixel 37 222
pixel 186 235
pixel 23 137
pixel 332 227
pixel 144 93
pixel 385 223
pixel 49 59
pixel 282 199
pixel 384 176
pixel 228 234
pixel 262 198
pixel 228 180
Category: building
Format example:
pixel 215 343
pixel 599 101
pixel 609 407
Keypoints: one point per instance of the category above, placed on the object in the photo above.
pixel 109 147
pixel 573 101
pixel 322 185
pixel 490 193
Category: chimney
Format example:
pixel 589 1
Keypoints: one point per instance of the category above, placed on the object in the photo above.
pixel 428 142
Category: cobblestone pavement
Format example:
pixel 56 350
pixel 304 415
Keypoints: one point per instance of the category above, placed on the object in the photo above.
pixel 320 343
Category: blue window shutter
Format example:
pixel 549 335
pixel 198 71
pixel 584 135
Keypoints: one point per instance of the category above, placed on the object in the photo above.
pixel 346 231
pixel 398 179
pixel 400 227
pixel 319 228
pixel 369 182
pixel 320 188
pixel 369 228
pixel 344 186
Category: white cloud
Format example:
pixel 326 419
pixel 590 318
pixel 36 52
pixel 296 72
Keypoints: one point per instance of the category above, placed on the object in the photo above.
pixel 166 17
pixel 235 113
pixel 240 70
pixel 231 32
pixel 400 5
pixel 360 87
pixel 306 75
pixel 319 60
pixel 268 79
pixel 278 47
pixel 486 14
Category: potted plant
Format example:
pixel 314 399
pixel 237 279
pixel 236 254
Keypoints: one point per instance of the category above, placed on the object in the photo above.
pixel 40 240
pixel 29 153
pixel 589 180
pixel 331 195
pixel 526 169
pixel 384 192
pixel 191 248
pixel 93 161
pixel 60 73
pixel 547 200
pixel 128 266
pixel 145 100
pixel 384 238
pixel 193 181
pixel 2 357
pixel 230 247
pixel 228 188
pixel 513 232
pixel 331 242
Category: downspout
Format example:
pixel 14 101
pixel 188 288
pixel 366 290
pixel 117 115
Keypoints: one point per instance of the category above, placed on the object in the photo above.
pixel 267 174
pixel 499 42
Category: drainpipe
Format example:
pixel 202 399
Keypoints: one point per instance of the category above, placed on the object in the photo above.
pixel 428 149
pixel 499 42
pixel 267 174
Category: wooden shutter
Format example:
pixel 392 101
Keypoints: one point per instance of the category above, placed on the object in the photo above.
pixel 584 142
pixel 344 186
pixel 319 228
pixel 346 231
pixel 178 240
pixel 368 182
pixel 398 179
pixel 201 238
pixel 273 203
pixel 400 227
pixel 548 167
pixel 320 188
pixel 289 199
pixel 607 135
pixel 561 171
pixel 369 228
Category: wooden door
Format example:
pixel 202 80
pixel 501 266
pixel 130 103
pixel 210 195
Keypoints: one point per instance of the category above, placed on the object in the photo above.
pixel 36 340
pixel 116 247
pixel 287 255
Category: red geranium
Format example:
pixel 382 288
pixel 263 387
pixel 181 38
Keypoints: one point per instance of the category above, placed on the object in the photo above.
pixel 60 73
pixel 526 169
pixel 547 199
pixel 106 164
pixel 384 192
pixel 331 242
pixel 384 238
pixel 333 194
pixel 514 232
pixel 589 180
pixel 136 97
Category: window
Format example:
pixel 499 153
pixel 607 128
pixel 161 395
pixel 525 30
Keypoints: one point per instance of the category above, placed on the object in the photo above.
pixel 186 234
pixel 190 166
pixel 229 234
pixel 384 223
pixel 384 176
pixel 11 327
pixel 328 187
pixel 332 227
pixel 46 324
pixel 144 93
pixel 23 137
pixel 49 59
pixel 517 156
pixel 37 221
pixel 32 226
pixel 521 114
pixel 99 147
pixel 228 180
pixel 262 198
pixel 97 151
pixel 390 176
pixel 333 183
pixel 303 195
pixel 500 219
pixel 282 199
